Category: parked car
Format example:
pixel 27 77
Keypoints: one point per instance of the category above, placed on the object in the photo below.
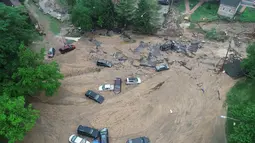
pixel 51 53
pixel 66 48
pixel 104 63
pixel 87 131
pixel 104 136
pixel 94 96
pixel 77 139
pixel 106 87
pixel 139 140
pixel 117 85
pixel 162 67
pixel 95 141
pixel 133 80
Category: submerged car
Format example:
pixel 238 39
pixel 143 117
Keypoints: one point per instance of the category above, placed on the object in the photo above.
pixel 133 80
pixel 139 140
pixel 94 96
pixel 51 53
pixel 87 131
pixel 162 67
pixel 66 48
pixel 104 136
pixel 104 63
pixel 77 139
pixel 117 85
pixel 106 87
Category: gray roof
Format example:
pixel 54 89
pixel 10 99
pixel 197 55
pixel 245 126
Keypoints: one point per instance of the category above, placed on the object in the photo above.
pixel 233 3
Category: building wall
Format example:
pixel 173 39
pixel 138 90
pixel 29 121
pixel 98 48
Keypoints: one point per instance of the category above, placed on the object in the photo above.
pixel 227 11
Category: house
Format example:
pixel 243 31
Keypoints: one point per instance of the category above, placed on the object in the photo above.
pixel 228 8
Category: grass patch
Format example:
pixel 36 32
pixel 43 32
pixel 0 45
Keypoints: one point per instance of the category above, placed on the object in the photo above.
pixel 247 16
pixel 241 105
pixel 206 12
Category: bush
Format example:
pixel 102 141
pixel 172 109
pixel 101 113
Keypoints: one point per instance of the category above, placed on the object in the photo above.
pixel 249 63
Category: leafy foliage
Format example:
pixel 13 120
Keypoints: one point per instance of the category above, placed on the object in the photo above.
pixel 146 16
pixel 249 63
pixel 15 119
pixel 23 73
pixel 213 34
pixel 91 13
pixel 14 29
pixel 241 107
pixel 125 10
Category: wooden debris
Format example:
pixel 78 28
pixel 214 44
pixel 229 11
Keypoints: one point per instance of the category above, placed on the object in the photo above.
pixel 219 97
pixel 184 64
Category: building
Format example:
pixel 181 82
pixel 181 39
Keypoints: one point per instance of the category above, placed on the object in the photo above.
pixel 228 8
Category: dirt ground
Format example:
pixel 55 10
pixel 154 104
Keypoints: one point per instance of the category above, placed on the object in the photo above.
pixel 184 109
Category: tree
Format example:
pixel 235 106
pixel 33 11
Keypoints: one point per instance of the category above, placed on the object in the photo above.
pixel 81 17
pixel 146 17
pixel 91 13
pixel 249 63
pixel 125 10
pixel 14 28
pixel 15 119
pixel 33 75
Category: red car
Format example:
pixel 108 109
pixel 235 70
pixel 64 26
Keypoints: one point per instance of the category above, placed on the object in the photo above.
pixel 66 48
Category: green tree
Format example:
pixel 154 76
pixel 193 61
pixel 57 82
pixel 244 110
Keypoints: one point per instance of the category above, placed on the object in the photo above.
pixel 14 28
pixel 249 63
pixel 81 17
pixel 33 75
pixel 146 17
pixel 15 119
pixel 125 10
pixel 88 14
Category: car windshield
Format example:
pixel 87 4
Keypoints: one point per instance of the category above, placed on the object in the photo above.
pixel 91 131
pixel 97 96
pixel 73 138
pixel 133 79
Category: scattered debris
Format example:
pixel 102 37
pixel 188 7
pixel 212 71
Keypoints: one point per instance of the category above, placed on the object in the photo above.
pixel 219 97
pixel 184 64
pixel 73 38
pixel 158 86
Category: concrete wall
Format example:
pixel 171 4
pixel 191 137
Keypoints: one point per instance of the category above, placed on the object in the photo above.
pixel 227 11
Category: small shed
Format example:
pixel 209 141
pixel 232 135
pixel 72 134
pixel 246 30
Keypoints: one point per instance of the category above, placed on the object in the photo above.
pixel 228 8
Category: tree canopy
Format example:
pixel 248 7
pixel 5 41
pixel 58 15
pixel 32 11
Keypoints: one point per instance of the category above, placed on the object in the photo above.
pixel 23 73
pixel 249 62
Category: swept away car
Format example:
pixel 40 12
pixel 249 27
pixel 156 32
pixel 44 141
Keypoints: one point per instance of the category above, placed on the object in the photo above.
pixel 66 48
pixel 94 96
pixel 104 63
pixel 133 80
pixel 88 131
pixel 77 139
pixel 106 87
pixel 139 140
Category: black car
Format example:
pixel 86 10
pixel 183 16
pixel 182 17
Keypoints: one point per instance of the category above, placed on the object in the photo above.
pixel 117 85
pixel 104 136
pixel 104 63
pixel 139 140
pixel 87 131
pixel 94 96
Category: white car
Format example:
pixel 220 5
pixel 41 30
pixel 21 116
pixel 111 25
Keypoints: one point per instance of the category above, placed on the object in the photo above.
pixel 77 139
pixel 106 87
pixel 133 80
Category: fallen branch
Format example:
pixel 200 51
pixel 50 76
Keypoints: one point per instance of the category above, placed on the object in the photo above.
pixel 184 65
